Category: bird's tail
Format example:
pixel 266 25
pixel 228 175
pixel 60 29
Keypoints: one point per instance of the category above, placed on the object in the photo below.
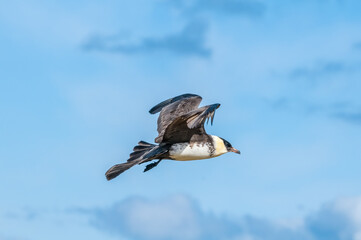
pixel 141 153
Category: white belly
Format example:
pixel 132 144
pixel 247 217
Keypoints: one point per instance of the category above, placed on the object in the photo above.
pixel 186 152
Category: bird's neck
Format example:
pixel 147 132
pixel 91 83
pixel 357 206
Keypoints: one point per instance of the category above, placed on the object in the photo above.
pixel 219 147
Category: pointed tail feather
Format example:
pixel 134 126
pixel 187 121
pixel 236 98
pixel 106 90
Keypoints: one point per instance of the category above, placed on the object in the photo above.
pixel 143 152
pixel 118 169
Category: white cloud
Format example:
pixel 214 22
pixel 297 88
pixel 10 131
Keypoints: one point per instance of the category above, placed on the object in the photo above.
pixel 176 217
pixel 147 218
pixel 352 208
pixel 180 217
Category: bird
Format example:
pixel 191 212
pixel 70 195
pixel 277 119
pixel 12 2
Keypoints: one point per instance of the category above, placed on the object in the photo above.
pixel 181 135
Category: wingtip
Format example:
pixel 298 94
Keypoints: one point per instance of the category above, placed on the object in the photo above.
pixel 157 108
pixel 154 109
pixel 108 177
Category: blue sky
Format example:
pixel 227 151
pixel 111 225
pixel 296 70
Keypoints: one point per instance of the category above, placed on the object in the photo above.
pixel 78 79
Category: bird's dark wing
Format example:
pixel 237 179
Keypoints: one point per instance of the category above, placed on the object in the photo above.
pixel 157 108
pixel 173 108
pixel 190 126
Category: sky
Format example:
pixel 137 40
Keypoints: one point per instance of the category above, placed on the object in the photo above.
pixel 77 79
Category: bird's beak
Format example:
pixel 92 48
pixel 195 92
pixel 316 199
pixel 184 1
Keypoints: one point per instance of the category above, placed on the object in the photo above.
pixel 235 150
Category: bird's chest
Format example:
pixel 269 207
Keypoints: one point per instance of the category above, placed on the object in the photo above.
pixel 186 151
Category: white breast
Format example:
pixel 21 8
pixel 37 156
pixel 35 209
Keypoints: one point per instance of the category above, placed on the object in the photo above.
pixel 185 151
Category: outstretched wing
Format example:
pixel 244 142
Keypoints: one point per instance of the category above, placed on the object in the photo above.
pixel 189 126
pixel 172 108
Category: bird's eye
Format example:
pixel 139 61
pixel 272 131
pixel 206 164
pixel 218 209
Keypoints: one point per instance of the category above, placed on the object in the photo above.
pixel 227 144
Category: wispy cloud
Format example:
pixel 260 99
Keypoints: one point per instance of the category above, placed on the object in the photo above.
pixel 300 106
pixel 251 8
pixel 348 116
pixel 180 217
pixel 27 214
pixel 345 111
pixel 357 45
pixel 188 42
pixel 327 67
pixel 319 70
pixel 10 238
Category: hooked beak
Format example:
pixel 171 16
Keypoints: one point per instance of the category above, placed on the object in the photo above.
pixel 235 150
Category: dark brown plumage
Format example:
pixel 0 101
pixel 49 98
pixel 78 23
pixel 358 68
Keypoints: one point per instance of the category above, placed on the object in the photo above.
pixel 180 118
pixel 180 123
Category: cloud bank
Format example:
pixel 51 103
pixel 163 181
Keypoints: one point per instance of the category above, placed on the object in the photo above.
pixel 180 217
pixel 190 41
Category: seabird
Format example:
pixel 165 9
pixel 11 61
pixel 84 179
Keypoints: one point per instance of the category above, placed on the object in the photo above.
pixel 182 136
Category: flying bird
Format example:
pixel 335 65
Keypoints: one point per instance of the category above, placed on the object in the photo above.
pixel 181 135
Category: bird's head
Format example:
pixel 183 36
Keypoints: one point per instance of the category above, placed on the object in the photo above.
pixel 223 146
pixel 229 147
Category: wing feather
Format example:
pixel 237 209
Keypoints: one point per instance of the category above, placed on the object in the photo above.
pixel 157 108
pixel 189 125
pixel 172 108
pixel 196 119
